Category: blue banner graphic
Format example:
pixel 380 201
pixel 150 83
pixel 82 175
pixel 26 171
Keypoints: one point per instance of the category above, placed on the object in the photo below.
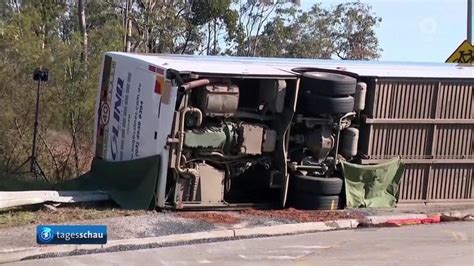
pixel 71 234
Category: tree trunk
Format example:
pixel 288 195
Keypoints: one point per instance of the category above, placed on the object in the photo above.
pixel 74 143
pixel 128 28
pixel 214 49
pixel 82 28
pixel 147 29
pixel 188 36
pixel 208 38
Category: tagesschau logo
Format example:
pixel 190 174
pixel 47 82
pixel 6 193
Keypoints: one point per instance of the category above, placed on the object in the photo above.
pixel 71 234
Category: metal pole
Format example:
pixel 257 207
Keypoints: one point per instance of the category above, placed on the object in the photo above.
pixel 469 21
pixel 35 130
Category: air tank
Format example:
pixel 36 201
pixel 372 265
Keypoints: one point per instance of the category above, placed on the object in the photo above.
pixel 359 96
pixel 350 138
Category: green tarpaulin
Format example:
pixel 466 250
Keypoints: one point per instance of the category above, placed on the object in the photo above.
pixel 372 185
pixel 131 184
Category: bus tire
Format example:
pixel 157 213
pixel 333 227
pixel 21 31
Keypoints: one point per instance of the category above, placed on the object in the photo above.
pixel 328 84
pixel 306 201
pixel 317 104
pixel 324 186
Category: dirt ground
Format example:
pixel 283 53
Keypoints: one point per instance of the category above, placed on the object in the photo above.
pixel 290 214
pixel 83 212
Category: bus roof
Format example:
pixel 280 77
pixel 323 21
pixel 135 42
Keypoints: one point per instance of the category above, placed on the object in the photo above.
pixel 260 66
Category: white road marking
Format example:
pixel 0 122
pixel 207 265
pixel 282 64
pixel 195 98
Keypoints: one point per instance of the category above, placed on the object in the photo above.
pixel 308 247
pixel 299 254
pixel 283 257
pixel 459 236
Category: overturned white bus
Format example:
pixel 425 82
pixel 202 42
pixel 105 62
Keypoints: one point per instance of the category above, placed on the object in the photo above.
pixel 235 132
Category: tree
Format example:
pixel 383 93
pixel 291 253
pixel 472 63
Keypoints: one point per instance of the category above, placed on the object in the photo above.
pixel 346 31
pixel 356 38
pixel 314 36
pixel 160 26
pixel 51 35
pixel 217 20
pixel 253 16
pixel 278 33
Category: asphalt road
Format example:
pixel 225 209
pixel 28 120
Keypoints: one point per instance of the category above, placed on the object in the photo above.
pixel 439 244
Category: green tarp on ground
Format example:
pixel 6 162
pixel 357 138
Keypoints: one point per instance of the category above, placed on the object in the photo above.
pixel 131 184
pixel 374 186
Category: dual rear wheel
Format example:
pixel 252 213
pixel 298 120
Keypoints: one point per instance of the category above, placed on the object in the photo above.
pixel 315 193
pixel 327 93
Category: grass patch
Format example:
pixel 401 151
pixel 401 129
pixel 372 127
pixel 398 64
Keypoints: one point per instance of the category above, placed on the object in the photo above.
pixel 66 214
pixel 39 214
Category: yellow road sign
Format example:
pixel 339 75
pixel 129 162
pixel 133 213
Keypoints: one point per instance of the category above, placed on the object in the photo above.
pixel 463 54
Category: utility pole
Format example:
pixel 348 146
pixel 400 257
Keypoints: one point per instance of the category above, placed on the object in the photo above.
pixel 469 21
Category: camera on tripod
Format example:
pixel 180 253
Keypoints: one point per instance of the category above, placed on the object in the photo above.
pixel 40 74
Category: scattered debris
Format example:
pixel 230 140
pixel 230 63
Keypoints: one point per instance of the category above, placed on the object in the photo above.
pixel 211 217
pixel 457 216
pixel 412 221
pixel 469 218
pixel 305 216
pixel 50 207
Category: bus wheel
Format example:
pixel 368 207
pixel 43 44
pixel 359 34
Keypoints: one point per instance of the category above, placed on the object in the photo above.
pixel 318 185
pixel 317 104
pixel 306 201
pixel 328 84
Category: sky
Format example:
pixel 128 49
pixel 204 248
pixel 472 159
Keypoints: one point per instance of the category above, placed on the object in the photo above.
pixel 415 30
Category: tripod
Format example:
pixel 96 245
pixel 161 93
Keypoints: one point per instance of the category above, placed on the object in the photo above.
pixel 40 75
